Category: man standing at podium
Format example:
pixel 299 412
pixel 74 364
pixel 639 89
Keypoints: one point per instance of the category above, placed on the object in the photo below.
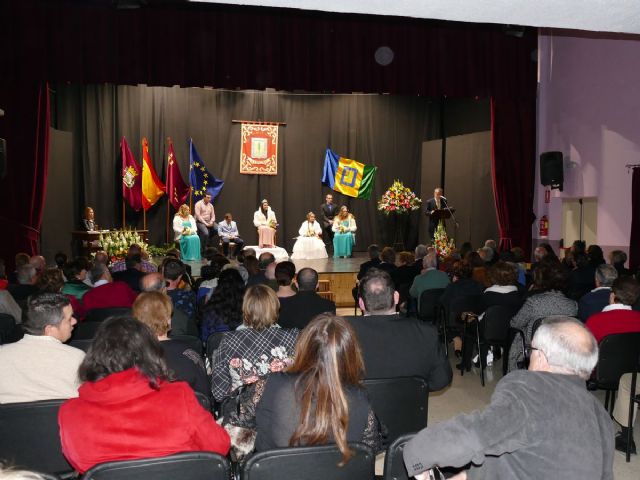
pixel 436 203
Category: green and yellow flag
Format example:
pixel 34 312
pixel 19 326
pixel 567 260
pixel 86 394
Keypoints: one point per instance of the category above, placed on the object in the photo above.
pixel 347 176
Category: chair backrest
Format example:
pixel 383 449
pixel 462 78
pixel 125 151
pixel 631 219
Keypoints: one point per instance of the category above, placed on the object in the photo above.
pixel 496 323
pixel 466 303
pixel 618 354
pixel 401 404
pixel 85 330
pixel 194 342
pixel 30 436
pixel 213 342
pixel 101 314
pixel 310 463
pixel 394 468
pixel 82 344
pixel 9 330
pixel 183 466
pixel 428 305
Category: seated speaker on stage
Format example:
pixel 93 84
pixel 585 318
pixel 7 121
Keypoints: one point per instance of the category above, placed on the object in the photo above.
pixel 344 226
pixel 186 232
pixel 265 221
pixel 309 244
pixel 228 232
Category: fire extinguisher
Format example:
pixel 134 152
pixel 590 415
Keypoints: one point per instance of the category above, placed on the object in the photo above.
pixel 544 227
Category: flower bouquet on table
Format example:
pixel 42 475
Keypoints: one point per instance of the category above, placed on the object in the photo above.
pixel 398 199
pixel 117 242
pixel 442 243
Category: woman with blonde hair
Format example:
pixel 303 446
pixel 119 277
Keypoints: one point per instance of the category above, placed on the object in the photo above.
pixel 186 232
pixel 344 226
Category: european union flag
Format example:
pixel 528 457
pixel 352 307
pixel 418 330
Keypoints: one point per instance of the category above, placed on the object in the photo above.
pixel 201 180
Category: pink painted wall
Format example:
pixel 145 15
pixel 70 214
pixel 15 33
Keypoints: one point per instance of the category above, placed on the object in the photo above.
pixel 589 109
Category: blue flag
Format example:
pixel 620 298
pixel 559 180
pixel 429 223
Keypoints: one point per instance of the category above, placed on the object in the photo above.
pixel 201 180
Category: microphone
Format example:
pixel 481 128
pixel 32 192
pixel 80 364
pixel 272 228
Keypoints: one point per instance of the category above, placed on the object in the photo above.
pixel 443 197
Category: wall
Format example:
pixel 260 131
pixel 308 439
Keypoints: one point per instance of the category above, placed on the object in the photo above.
pixel 589 108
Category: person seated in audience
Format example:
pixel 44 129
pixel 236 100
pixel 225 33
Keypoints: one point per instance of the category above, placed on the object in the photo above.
pixel 298 310
pixel 393 345
pixel 284 274
pixel 598 298
pixel 75 272
pixel 20 259
pixel 309 244
pixel 486 255
pixel 374 260
pixel 540 423
pixel 328 365
pixel 596 256
pixel 403 276
pixel 41 366
pixel 102 257
pixel 491 243
pixel 60 259
pixel 133 274
pixel 430 277
pixel 387 260
pixel 549 252
pixel 618 317
pixel 39 263
pixel 26 278
pixel 51 281
pixel 105 292
pixel 270 275
pixel 256 276
pixel 256 348
pixel 228 232
pixel 208 281
pixel 617 258
pixel 127 408
pixel 223 311
pixel 419 253
pixel 134 249
pixel 478 268
pixel 546 298
pixel 181 324
pixel 266 258
pixel 344 228
pixel 185 300
pixel 185 364
pixel 581 278
pixel 9 306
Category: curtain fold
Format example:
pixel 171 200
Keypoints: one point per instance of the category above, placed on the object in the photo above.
pixel 634 241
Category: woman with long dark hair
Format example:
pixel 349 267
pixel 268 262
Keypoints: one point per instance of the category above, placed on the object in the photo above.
pixel 223 311
pixel 127 408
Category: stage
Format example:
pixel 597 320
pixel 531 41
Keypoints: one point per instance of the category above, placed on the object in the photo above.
pixel 340 272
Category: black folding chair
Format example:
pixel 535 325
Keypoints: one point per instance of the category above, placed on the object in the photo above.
pixel 633 398
pixel 30 436
pixel 394 468
pixel 185 466
pixel 401 404
pixel 429 304
pixel 85 330
pixel 101 314
pixel 194 342
pixel 310 463
pixel 9 330
pixel 458 312
pixel 213 342
pixel 82 344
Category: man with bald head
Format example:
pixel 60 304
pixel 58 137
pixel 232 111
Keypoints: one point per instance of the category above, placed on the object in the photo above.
pixel 541 423
pixel 298 310
pixel 181 324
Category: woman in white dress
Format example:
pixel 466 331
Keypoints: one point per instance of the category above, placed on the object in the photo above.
pixel 265 221
pixel 309 244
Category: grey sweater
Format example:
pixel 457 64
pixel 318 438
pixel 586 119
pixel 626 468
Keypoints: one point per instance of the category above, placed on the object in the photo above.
pixel 538 425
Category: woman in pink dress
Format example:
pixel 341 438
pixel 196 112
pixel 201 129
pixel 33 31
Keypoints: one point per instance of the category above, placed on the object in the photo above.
pixel 265 221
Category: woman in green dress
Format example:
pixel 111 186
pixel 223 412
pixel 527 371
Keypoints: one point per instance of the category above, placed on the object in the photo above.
pixel 186 232
pixel 344 224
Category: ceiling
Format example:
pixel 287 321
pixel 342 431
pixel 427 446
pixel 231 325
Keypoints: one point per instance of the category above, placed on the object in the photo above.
pixel 620 16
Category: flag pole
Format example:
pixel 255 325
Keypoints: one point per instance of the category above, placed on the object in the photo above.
pixel 144 220
pixel 123 213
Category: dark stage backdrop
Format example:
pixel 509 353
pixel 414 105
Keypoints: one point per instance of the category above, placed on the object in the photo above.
pixel 382 130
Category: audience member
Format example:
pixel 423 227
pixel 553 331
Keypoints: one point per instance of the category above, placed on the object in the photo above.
pixel 9 306
pixel 392 345
pixel 184 300
pixel 26 278
pixel 154 310
pixel 181 324
pixel 618 258
pixel 581 278
pixel 223 311
pixel 134 249
pixel 298 310
pixel 133 274
pixel 52 281
pixel 60 258
pixel 596 256
pixel 374 260
pixel 105 292
pixel 403 277
pixel 256 276
pixel 486 254
pixel 101 257
pixel 20 260
pixel 617 317
pixel 419 253
pixel 430 277
pixel 539 423
pixel 265 259
pixel 478 268
pixel 210 274
pixel 270 275
pixel 387 260
pixel 75 272
pixel 41 366
pixel 127 409
pixel 284 273
pixel 247 354
pixel 598 298
pixel 39 263
pixel 546 299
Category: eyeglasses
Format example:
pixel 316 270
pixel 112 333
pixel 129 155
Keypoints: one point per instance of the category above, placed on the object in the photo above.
pixel 529 350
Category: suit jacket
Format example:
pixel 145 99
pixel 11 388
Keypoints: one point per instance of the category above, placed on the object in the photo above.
pixel 131 277
pixel 366 266
pixel 326 214
pixel 593 302
pixel 387 267
pixel 396 346
pixel 113 294
pixel 297 311
pixel 431 206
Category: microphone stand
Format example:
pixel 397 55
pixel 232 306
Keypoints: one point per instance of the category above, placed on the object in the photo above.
pixel 455 221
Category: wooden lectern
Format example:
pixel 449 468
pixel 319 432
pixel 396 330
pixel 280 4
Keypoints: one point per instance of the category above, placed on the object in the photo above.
pixel 88 242
pixel 441 214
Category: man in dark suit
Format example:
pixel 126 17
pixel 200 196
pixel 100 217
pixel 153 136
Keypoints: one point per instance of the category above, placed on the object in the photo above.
pixel 396 346
pixel 132 275
pixel 598 298
pixel 387 260
pixel 327 212
pixel 436 203
pixel 298 310
pixel 374 260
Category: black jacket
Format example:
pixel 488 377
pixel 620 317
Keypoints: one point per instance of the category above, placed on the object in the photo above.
pixel 366 266
pixel 297 311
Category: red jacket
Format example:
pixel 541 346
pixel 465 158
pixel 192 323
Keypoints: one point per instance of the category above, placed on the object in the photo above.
pixel 614 321
pixel 122 418
pixel 112 294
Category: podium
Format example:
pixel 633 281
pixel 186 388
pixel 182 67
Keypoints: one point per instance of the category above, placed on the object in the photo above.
pixel 441 214
pixel 85 243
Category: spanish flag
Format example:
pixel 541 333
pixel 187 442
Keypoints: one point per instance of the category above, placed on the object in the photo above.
pixel 152 187
pixel 347 176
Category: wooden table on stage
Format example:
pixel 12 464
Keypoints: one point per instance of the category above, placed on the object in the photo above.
pixel 88 242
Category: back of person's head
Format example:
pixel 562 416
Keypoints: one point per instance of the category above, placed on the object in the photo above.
pixel 173 253
pixel 152 282
pixel 122 343
pixel 327 359
pixel 503 273
pixel 376 290
pixel 486 253
pixel 596 255
pixel 101 257
pixel 265 259
pixel 374 251
pixel 60 258
pixel 98 271
pixel 284 273
pixel 154 310
pixel 252 265
pixel 518 254
pixel 388 255
pixel 44 309
pixel 491 243
pixel 26 274
pixel 226 300
pixel 249 252
pixel 618 257
pixel 465 249
pixel 210 252
pixel 208 272
pixel 133 260
pixel 218 261
pixel 579 246
pixel 12 473
pixel 50 281
pixel 72 269
pixel 260 307
pixel 38 262
pixel 406 258
pixel 420 251
pixel 21 259
pixel 550 275
pixel 581 259
pixel 605 275
pixel 430 260
pixel 462 270
pixel 567 345
pixel 173 269
pixel 307 280
pixel 134 249
pixel 626 290
pixel 549 249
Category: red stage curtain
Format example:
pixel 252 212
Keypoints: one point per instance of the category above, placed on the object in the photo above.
pixel 634 242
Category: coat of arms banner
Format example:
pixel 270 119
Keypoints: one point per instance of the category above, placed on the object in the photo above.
pixel 259 149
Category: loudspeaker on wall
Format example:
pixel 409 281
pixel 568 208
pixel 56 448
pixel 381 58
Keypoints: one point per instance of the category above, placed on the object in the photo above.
pixel 552 169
